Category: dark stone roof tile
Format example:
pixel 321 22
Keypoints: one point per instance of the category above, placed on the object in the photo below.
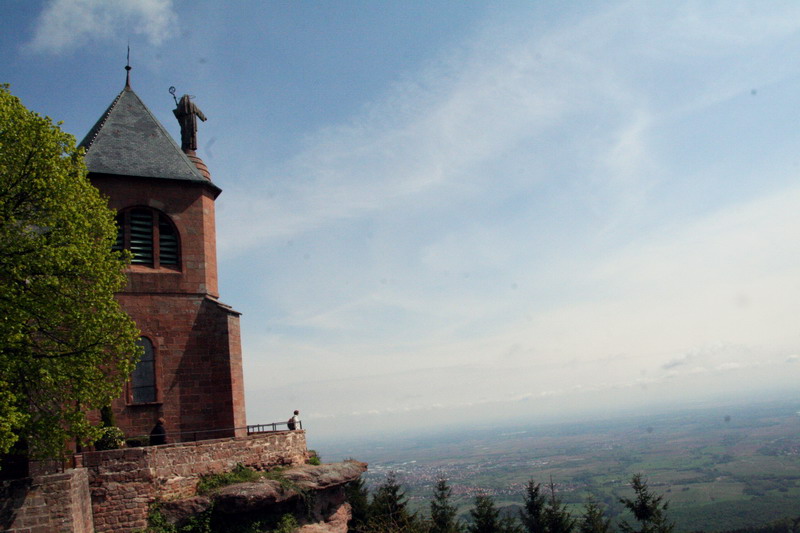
pixel 129 141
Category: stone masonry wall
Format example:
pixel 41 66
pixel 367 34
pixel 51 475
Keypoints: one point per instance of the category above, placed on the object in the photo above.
pixel 125 482
pixel 190 206
pixel 197 364
pixel 47 504
pixel 198 355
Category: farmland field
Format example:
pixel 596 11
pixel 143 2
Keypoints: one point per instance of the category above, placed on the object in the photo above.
pixel 719 468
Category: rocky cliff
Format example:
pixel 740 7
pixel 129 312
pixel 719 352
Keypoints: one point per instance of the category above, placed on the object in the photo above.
pixel 314 495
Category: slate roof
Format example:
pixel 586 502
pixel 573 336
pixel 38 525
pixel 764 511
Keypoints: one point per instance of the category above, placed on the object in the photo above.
pixel 129 141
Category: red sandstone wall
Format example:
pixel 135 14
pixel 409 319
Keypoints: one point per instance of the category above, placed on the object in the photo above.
pixel 191 207
pixel 236 375
pixel 125 482
pixel 196 338
pixel 198 368
pixel 46 504
pixel 209 237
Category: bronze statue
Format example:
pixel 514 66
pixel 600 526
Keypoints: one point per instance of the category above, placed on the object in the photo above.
pixel 187 114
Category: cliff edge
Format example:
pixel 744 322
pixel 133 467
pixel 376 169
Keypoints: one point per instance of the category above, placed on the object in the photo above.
pixel 313 495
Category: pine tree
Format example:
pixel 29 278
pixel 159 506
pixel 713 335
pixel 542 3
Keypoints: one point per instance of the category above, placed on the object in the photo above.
pixel 443 512
pixel 358 498
pixel 532 513
pixel 388 510
pixel 485 516
pixel 509 525
pixel 594 520
pixel 647 509
pixel 556 516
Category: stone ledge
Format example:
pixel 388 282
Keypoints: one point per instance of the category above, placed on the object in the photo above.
pixel 259 496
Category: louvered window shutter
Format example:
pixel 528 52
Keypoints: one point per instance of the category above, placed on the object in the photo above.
pixel 167 243
pixel 141 221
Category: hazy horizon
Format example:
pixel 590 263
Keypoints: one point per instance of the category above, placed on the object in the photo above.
pixel 340 445
pixel 440 212
pixel 404 445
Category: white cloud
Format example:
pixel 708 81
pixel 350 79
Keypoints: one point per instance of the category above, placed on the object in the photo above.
pixel 66 24
pixel 550 250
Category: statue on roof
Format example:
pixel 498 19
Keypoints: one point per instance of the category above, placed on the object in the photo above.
pixel 187 114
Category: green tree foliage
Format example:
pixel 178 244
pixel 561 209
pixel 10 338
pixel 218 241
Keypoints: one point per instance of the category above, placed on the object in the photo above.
pixel 65 346
pixel 388 510
pixel 532 513
pixel 358 498
pixel 594 520
pixel 556 516
pixel 509 525
pixel 486 518
pixel 287 524
pixel 443 512
pixel 647 509
pixel 389 499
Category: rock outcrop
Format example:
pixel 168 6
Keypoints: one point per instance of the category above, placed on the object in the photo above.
pixel 314 495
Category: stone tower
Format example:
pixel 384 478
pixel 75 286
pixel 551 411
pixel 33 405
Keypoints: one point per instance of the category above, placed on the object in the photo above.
pixel 191 371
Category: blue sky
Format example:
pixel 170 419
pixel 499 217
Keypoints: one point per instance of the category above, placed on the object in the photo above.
pixel 445 213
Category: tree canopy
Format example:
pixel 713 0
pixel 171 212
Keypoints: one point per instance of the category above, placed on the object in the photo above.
pixel 647 508
pixel 557 518
pixel 389 503
pixel 66 347
pixel 443 512
pixel 532 512
pixel 485 516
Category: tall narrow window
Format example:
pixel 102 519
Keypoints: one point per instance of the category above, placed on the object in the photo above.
pixel 150 236
pixel 143 379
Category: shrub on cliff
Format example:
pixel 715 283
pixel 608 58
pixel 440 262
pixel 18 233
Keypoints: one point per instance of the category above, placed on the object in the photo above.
pixel 240 474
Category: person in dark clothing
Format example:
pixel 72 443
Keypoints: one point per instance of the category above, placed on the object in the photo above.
pixel 158 435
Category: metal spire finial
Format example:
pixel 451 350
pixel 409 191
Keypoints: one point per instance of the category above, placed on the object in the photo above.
pixel 128 69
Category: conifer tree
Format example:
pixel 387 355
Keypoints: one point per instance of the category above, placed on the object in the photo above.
pixel 358 497
pixel 647 509
pixel 388 510
pixel 443 512
pixel 389 499
pixel 485 516
pixel 509 525
pixel 556 516
pixel 532 513
pixel 594 520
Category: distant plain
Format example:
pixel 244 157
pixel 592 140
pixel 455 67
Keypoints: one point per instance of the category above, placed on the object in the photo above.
pixel 720 468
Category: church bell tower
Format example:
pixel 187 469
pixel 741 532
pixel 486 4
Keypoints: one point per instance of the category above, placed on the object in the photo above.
pixel 191 371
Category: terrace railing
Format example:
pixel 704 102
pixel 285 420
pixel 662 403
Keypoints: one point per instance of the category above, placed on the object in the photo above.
pixel 205 434
pixel 269 428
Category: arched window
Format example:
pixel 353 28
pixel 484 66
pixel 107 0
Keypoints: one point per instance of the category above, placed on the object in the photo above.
pixel 150 236
pixel 143 379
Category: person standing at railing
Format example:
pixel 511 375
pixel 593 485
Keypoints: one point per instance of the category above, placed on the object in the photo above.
pixel 294 422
